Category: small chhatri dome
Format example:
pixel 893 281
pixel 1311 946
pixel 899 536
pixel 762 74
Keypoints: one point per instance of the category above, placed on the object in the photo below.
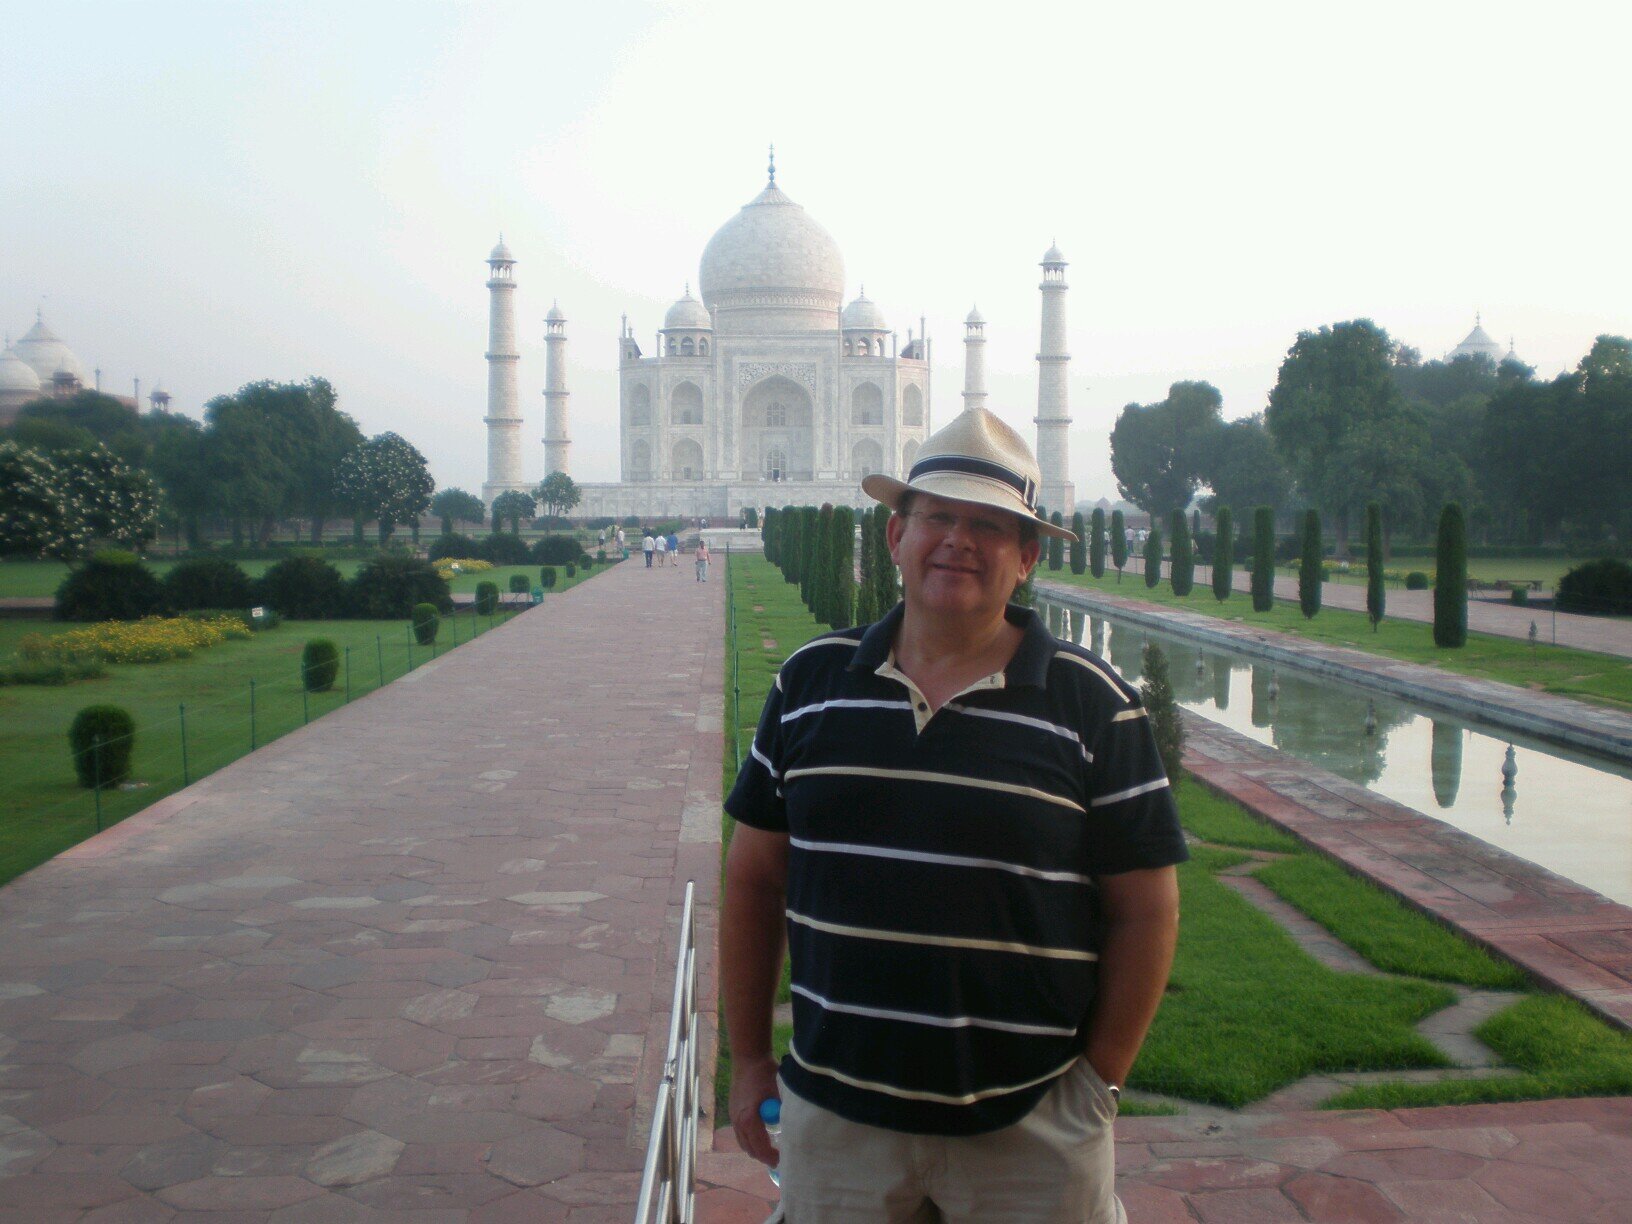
pixel 16 374
pixel 1053 255
pixel 974 316
pixel 863 314
pixel 556 315
pixel 501 253
pixel 689 313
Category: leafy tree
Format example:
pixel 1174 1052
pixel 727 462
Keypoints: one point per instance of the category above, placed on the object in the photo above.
pixel 456 505
pixel 1243 468
pixel 514 505
pixel 1375 592
pixel 1224 555
pixel 558 493
pixel 1310 559
pixel 1056 546
pixel 118 502
pixel 385 478
pixel 39 515
pixel 1159 452
pixel 1156 691
pixel 1263 559
pixel 1153 556
pixel 1096 543
pixel 89 416
pixel 1079 546
pixel 1182 570
pixel 1119 542
pixel 1335 398
pixel 1451 580
pixel 177 458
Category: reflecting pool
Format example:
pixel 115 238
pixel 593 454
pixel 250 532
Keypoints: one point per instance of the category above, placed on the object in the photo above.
pixel 1566 812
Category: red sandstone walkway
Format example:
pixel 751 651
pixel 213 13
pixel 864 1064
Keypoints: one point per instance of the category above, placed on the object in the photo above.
pixel 411 963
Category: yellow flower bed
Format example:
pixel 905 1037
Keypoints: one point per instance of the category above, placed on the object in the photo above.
pixel 449 566
pixel 152 640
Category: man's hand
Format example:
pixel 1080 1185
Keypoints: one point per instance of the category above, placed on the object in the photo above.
pixel 752 1083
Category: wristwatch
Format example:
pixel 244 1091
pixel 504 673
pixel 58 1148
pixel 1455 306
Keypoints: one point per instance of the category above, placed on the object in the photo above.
pixel 1116 1092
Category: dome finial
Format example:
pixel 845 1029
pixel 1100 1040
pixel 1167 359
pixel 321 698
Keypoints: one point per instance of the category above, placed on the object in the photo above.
pixel 771 169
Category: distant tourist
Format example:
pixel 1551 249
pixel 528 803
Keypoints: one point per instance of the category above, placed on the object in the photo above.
pixel 701 556
pixel 662 551
pixel 647 546
pixel 674 548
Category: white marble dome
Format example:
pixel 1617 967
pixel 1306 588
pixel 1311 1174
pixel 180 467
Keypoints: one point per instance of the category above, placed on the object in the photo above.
pixel 773 258
pixel 46 354
pixel 16 374
pixel 687 313
pixel 863 314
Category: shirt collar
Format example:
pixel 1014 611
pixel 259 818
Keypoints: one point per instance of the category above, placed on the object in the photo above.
pixel 1029 665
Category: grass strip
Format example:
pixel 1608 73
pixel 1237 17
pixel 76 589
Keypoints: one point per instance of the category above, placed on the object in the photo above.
pixel 1562 1049
pixel 1223 822
pixel 1248 1011
pixel 1604 679
pixel 1381 928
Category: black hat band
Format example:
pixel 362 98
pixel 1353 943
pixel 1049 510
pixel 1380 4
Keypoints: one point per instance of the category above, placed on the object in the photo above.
pixel 1027 489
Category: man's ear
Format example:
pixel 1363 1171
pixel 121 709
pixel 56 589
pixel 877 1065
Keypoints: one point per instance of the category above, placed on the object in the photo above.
pixel 892 532
pixel 1030 552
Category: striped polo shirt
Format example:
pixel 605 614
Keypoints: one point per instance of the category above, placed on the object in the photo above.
pixel 941 909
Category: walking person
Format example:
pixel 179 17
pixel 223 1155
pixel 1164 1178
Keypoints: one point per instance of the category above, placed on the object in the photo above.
pixel 701 558
pixel 648 546
pixel 960 826
pixel 674 550
pixel 623 548
pixel 662 550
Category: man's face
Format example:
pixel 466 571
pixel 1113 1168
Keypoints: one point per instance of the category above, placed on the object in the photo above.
pixel 959 559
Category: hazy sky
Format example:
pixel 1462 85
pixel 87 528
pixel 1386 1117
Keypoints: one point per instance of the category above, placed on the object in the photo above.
pixel 212 193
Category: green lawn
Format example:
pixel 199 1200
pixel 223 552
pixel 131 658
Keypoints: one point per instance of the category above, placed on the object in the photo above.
pixel 1605 679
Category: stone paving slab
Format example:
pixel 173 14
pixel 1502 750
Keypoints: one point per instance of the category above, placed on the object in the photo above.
pixel 1545 716
pixel 412 962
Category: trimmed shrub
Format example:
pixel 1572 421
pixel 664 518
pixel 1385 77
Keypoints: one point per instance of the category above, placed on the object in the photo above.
pixel 1416 580
pixel 302 588
pixel 600 556
pixel 320 664
pixel 1519 596
pixel 1119 542
pixel 519 584
pixel 207 582
pixel 426 622
pixel 1079 548
pixel 1376 593
pixel 1263 559
pixel 1056 546
pixel 487 596
pixel 585 561
pixel 109 587
pixel 1096 543
pixel 546 577
pixel 841 578
pixel 571 569
pixel 1153 557
pixel 1602 587
pixel 453 545
pixel 503 548
pixel 1309 567
pixel 1451 580
pixel 1182 572
pixel 555 550
pixel 388 587
pixel 1224 555
pixel 1156 690
pixel 102 738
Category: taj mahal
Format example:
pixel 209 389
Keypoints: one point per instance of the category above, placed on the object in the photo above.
pixel 767 391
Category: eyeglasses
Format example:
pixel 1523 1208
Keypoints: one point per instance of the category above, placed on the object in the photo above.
pixel 985 530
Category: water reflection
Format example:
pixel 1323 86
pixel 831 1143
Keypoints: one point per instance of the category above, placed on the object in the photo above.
pixel 1575 817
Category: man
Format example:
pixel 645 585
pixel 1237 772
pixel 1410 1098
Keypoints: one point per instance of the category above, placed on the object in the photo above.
pixel 962 826
pixel 647 545
pixel 674 551
pixel 662 550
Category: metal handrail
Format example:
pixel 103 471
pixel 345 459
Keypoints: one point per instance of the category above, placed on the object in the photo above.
pixel 668 1181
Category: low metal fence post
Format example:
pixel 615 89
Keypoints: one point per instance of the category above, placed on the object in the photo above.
pixel 305 704
pixel 348 674
pixel 252 740
pixel 379 657
pixel 96 777
pixel 181 715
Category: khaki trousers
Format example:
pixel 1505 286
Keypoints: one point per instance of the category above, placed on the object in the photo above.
pixel 1057 1165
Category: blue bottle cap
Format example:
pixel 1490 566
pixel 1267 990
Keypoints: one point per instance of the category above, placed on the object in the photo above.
pixel 770 1111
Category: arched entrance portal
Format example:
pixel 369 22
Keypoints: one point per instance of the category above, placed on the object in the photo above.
pixel 777 418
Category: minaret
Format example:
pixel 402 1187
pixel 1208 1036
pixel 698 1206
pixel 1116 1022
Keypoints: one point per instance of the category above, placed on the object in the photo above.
pixel 1053 398
pixel 503 418
pixel 556 441
pixel 974 361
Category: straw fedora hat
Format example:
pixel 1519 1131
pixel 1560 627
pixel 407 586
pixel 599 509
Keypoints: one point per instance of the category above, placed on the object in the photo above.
pixel 976 458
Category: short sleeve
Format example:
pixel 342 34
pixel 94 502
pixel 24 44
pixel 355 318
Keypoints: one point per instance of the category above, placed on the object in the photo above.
pixel 1133 819
pixel 756 799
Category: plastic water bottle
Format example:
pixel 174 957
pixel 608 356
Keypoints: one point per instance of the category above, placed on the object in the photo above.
pixel 770 1113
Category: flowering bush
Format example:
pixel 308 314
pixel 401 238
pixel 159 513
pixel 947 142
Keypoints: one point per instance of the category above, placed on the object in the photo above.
pixel 151 640
pixel 449 566
pixel 38 515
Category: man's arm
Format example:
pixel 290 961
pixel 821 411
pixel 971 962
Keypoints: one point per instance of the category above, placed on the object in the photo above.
pixel 752 934
pixel 1140 911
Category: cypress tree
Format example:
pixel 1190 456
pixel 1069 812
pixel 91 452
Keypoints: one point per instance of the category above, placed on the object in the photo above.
pixel 1451 580
pixel 1096 543
pixel 1056 546
pixel 1119 542
pixel 1263 559
pixel 1156 691
pixel 767 533
pixel 841 559
pixel 1224 555
pixel 885 591
pixel 791 550
pixel 1309 565
pixel 1153 556
pixel 1375 598
pixel 1079 550
pixel 813 579
pixel 1183 569
pixel 864 589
